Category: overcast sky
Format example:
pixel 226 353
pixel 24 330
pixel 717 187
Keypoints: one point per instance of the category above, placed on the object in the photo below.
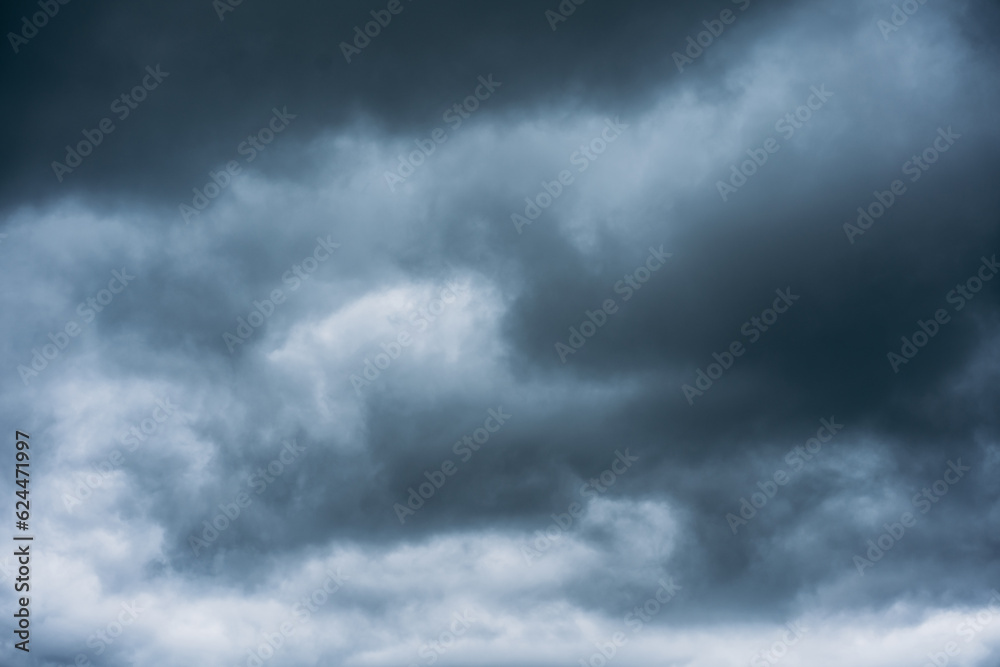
pixel 371 334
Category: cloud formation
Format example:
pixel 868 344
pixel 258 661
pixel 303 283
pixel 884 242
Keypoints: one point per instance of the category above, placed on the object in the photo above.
pixel 652 332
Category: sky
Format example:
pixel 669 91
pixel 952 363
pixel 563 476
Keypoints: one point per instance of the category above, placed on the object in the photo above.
pixel 534 334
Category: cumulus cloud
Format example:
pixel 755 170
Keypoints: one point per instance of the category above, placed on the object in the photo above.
pixel 766 246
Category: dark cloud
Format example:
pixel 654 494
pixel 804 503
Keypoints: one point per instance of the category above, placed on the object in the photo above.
pixel 409 307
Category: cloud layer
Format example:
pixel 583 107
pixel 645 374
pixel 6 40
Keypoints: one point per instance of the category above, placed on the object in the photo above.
pixel 504 344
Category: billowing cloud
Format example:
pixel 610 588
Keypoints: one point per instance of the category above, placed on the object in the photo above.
pixel 539 333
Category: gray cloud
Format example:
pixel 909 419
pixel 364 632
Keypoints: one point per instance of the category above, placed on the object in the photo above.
pixel 525 534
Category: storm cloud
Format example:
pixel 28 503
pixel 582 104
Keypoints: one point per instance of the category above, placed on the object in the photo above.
pixel 534 333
